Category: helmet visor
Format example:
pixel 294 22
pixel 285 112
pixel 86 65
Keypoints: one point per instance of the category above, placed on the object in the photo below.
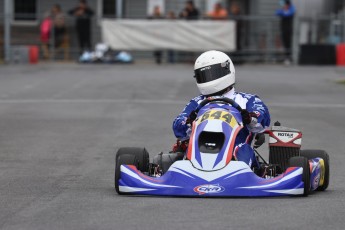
pixel 212 72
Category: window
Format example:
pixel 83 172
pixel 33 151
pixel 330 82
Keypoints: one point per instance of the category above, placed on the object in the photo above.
pixel 109 9
pixel 25 10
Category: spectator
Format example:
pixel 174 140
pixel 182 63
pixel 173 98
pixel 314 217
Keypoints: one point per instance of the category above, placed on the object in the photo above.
pixel 235 14
pixel 83 16
pixel 45 30
pixel 60 30
pixel 218 13
pixel 286 13
pixel 190 12
pixel 235 10
pixel 171 53
pixel 157 15
pixel 171 15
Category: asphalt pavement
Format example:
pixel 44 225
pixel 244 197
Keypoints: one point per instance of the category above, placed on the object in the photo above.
pixel 60 125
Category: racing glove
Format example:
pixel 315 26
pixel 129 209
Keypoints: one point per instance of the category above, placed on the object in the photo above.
pixel 259 140
pixel 249 118
pixel 192 117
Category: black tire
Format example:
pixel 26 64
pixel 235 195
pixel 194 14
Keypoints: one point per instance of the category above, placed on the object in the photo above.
pixel 165 160
pixel 124 159
pixel 304 163
pixel 140 153
pixel 310 154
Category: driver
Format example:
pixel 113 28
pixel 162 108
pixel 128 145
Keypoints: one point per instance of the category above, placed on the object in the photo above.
pixel 215 76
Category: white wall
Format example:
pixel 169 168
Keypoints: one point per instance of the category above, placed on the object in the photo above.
pixel 312 8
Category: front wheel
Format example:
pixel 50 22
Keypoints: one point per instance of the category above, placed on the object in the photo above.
pixel 304 163
pixel 124 159
pixel 140 153
pixel 310 154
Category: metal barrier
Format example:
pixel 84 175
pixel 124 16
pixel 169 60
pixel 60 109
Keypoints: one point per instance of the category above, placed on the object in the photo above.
pixel 258 37
pixel 322 29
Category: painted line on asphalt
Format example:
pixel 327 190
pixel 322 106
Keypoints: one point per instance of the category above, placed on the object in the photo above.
pixel 162 102
pixel 138 101
pixel 306 105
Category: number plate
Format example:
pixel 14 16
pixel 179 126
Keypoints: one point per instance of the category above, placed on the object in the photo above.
pixel 219 115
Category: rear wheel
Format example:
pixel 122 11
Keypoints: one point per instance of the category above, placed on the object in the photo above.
pixel 304 163
pixel 140 153
pixel 165 160
pixel 124 159
pixel 310 154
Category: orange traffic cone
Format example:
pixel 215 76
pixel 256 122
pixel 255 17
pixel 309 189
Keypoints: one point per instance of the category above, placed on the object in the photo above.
pixel 33 54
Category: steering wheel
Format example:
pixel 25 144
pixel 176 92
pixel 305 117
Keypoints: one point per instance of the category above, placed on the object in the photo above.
pixel 223 100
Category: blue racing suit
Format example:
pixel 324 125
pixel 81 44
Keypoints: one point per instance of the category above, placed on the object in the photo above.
pixel 252 103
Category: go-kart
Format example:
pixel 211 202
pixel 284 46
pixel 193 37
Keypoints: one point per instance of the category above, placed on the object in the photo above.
pixel 208 167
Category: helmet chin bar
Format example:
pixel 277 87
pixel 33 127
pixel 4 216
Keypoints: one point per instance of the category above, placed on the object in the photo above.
pixel 215 86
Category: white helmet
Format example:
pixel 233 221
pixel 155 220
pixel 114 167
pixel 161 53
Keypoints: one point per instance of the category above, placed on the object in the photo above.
pixel 214 72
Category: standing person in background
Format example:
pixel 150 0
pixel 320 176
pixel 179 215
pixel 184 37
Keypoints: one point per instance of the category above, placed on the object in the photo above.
pixel 83 16
pixel 157 12
pixel 61 40
pixel 45 31
pixel 157 15
pixel 286 13
pixel 171 15
pixel 218 13
pixel 171 53
pixel 190 12
pixel 235 14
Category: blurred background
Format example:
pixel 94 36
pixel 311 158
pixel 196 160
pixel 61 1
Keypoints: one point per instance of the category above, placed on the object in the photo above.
pixel 252 30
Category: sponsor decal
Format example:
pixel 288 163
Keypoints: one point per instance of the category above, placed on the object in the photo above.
pixel 289 135
pixel 250 163
pixel 286 136
pixel 209 188
pixel 316 166
pixel 322 173
pixel 257 113
pixel 316 181
pixel 205 68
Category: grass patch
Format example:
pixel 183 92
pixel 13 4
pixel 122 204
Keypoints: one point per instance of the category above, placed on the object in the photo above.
pixel 342 81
